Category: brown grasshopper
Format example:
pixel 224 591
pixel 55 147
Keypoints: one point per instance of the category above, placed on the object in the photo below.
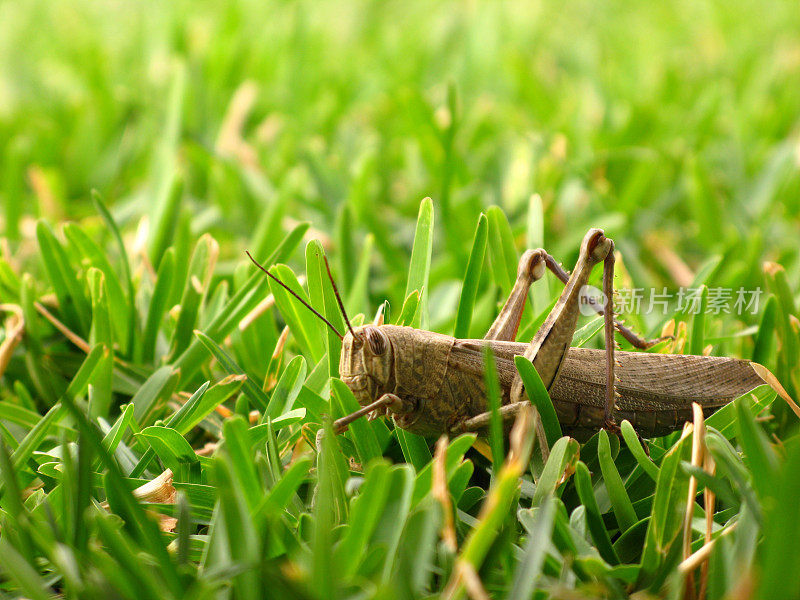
pixel 432 383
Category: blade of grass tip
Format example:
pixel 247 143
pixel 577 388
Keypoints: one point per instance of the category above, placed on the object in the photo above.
pixel 167 214
pixel 158 306
pixel 635 446
pixel 389 528
pixel 19 570
pixel 101 394
pixel 287 389
pixel 132 513
pixel 367 509
pixel 113 436
pixel 594 519
pixel 174 451
pixel 415 448
pixel 453 457
pixel 758 453
pixel 530 566
pixel 250 388
pixel 328 305
pixel 237 445
pixel 420 266
pixel 493 401
pixel 561 461
pixel 666 519
pixel 502 254
pixel 167 191
pixel 535 239
pixel 198 280
pixel 71 299
pixel 358 296
pixel 539 397
pixel 620 501
pixel 301 321
pixel 153 394
pixel 763 348
pixel 243 301
pixel 100 207
pixel 416 552
pixel 238 528
pixel 177 420
pixel 315 282
pixel 285 489
pixel 472 276
pixel 409 309
pixel 697 335
pixel 90 251
pixel 496 506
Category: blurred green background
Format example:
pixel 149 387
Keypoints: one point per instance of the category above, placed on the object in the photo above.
pixel 674 126
pixel 669 124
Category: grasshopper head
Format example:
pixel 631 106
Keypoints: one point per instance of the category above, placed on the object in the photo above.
pixel 366 363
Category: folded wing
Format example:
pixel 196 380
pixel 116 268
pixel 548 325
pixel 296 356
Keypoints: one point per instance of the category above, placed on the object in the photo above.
pixel 656 391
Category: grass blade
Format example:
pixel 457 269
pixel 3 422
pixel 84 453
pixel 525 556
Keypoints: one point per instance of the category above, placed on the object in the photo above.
pixel 472 276
pixel 420 267
pixel 620 501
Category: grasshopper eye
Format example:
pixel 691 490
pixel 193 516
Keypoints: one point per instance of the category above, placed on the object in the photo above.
pixel 376 340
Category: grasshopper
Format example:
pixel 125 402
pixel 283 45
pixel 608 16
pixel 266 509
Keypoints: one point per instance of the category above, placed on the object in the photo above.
pixel 432 384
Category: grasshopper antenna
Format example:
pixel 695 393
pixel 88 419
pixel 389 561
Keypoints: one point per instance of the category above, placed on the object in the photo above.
pixel 303 302
pixel 338 297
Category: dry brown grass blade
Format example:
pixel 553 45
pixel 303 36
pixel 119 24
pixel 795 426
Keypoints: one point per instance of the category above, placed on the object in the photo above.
pixel 259 310
pixel 662 250
pixel 709 500
pixel 231 142
pixel 521 439
pixel 157 491
pixel 15 328
pixel 678 345
pixel 702 554
pixel 773 382
pixel 472 582
pixel 698 451
pixel 442 494
pixel 65 331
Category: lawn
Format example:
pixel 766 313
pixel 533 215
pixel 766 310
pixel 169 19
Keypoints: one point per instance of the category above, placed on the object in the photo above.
pixel 161 398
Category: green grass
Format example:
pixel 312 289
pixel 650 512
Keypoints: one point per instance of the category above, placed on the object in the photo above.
pixel 144 147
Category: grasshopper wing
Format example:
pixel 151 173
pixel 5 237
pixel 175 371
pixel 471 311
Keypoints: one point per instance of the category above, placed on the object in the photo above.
pixel 656 391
